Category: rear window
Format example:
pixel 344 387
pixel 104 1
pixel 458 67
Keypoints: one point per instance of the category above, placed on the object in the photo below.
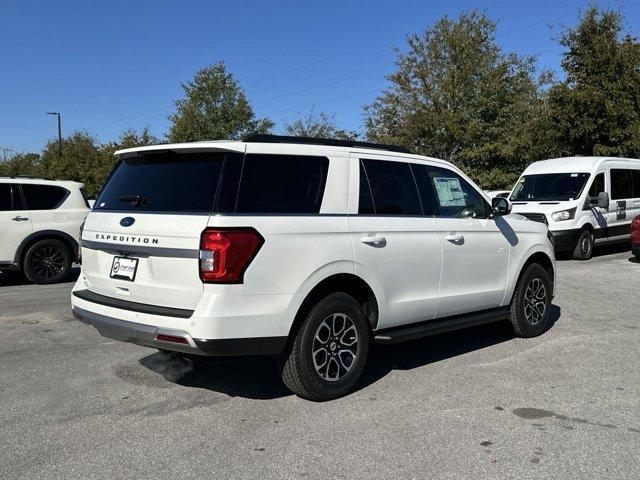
pixel 163 181
pixel 393 188
pixel 43 197
pixel 282 184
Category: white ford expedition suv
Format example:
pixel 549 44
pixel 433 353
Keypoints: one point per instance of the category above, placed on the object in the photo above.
pixel 304 249
pixel 40 226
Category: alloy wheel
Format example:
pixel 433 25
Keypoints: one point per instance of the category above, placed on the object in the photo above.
pixel 335 347
pixel 47 262
pixel 535 301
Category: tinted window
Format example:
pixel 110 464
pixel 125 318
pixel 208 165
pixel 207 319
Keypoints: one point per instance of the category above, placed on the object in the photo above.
pixel 43 197
pixel 163 181
pixel 425 187
pixel 455 196
pixel 596 187
pixel 549 187
pixel 365 205
pixel 636 183
pixel 282 184
pixel 5 197
pixel 621 184
pixel 393 188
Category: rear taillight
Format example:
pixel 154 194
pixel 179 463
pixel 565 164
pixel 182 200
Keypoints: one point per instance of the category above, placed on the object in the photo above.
pixel 225 254
pixel 635 225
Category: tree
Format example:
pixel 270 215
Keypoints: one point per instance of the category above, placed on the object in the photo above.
pixel 214 107
pixel 456 95
pixel 82 160
pixel 27 164
pixel 319 126
pixel 596 109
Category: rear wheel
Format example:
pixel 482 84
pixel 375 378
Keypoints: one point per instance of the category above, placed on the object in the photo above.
pixel 531 301
pixel 329 351
pixel 584 247
pixel 47 261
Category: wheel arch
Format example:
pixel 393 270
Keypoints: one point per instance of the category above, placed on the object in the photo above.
pixel 67 239
pixel 543 259
pixel 348 283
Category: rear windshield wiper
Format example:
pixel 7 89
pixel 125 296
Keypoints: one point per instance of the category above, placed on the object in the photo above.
pixel 134 200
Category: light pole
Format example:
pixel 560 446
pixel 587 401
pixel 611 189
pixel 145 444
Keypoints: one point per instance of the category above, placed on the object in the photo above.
pixel 59 132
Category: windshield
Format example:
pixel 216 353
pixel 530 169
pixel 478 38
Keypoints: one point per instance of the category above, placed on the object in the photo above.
pixel 549 187
pixel 163 182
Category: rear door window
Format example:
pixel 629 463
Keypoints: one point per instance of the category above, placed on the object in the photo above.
pixel 164 181
pixel 6 203
pixel 43 197
pixel 286 184
pixel 393 188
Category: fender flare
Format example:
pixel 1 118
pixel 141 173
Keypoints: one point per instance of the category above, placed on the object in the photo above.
pixel 517 271
pixel 42 234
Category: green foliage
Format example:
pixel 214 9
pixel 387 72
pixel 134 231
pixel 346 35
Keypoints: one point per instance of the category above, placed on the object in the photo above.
pixel 81 161
pixel 456 95
pixel 596 110
pixel 319 126
pixel 214 108
pixel 22 164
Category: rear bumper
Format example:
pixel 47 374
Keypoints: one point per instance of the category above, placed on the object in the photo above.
pixel 148 336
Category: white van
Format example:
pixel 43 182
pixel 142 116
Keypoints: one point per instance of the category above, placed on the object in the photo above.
pixel 583 200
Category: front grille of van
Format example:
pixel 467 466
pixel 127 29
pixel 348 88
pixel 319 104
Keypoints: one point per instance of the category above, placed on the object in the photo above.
pixel 536 217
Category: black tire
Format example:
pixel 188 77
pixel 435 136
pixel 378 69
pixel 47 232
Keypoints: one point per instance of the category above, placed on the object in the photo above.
pixel 529 311
pixel 47 261
pixel 343 365
pixel 584 246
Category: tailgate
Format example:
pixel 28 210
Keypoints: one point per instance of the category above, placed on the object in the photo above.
pixel 165 247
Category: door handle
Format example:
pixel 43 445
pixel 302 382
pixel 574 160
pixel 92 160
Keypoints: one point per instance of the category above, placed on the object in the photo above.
pixel 20 219
pixel 454 238
pixel 373 238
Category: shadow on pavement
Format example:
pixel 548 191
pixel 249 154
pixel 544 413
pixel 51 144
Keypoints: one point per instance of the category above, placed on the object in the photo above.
pixel 601 250
pixel 10 278
pixel 258 377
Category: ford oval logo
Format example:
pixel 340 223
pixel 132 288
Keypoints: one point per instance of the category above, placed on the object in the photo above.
pixel 127 221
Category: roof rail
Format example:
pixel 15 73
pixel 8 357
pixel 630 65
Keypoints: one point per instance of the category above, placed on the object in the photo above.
pixel 265 138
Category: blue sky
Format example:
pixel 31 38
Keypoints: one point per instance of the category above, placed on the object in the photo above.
pixel 113 65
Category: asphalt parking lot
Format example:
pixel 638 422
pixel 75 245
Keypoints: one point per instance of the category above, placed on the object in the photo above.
pixel 471 404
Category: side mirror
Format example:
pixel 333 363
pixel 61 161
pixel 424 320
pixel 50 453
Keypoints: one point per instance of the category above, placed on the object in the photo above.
pixel 501 206
pixel 603 200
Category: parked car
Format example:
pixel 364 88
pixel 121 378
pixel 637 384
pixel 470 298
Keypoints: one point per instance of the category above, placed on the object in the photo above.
pixel 40 222
pixel 584 200
pixel 498 193
pixel 305 249
pixel 635 237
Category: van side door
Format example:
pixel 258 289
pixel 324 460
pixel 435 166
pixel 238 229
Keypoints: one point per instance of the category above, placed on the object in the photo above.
pixel 621 204
pixel 395 242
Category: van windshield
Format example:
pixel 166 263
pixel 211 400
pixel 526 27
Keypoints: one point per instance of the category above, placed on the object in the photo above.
pixel 549 187
pixel 163 181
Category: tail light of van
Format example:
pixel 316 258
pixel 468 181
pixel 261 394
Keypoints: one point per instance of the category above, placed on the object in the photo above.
pixel 225 253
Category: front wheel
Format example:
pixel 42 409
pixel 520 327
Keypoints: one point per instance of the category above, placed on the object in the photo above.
pixel 47 261
pixel 329 351
pixel 531 301
pixel 584 247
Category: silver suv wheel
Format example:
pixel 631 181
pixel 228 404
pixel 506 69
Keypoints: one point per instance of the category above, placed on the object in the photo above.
pixel 335 347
